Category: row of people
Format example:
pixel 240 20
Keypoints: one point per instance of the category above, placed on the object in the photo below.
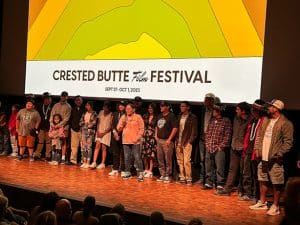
pixel 259 134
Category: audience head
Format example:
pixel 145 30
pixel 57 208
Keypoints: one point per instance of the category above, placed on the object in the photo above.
pixel 121 106
pixel 157 218
pixel 185 107
pixel 258 109
pixel 165 107
pixel 242 109
pixel 152 109
pixel 292 200
pixel 64 96
pixel 15 108
pixel 119 209
pixel 130 108
pixel 78 101
pixel 3 204
pixel 218 110
pixel 195 221
pixel 30 103
pixel 63 210
pixel 106 106
pixel 46 218
pixel 209 100
pixel 57 119
pixel 275 107
pixel 89 204
pixel 138 101
pixel 111 219
pixel 89 105
pixel 49 201
pixel 46 98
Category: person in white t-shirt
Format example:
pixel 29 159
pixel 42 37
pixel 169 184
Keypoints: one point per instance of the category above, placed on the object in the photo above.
pixel 275 138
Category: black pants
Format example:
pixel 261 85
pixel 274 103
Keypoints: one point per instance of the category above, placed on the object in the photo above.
pixel 118 154
pixel 234 170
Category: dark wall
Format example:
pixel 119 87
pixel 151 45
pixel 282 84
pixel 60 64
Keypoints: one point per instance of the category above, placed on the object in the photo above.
pixel 13 47
pixel 282 52
pixel 281 56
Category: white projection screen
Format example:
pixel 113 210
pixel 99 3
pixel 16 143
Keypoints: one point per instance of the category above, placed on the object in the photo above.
pixel 158 49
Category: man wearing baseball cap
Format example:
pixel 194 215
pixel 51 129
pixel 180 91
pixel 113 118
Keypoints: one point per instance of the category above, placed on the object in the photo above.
pixel 64 109
pixel 206 115
pixel 274 139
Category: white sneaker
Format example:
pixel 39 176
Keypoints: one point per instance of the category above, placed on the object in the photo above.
pixel 273 211
pixel 82 165
pixel 123 173
pixel 148 174
pixel 93 165
pixel 14 154
pixel 259 205
pixel 113 173
pixel 53 163
pixel 101 166
pixel 86 166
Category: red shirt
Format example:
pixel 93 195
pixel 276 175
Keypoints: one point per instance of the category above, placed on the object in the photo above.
pixel 12 123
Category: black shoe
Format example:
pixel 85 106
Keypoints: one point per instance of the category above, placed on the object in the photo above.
pixel 223 192
pixel 69 163
pixel 48 159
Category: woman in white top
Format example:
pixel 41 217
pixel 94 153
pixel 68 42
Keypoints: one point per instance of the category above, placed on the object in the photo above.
pixel 103 135
pixel 88 129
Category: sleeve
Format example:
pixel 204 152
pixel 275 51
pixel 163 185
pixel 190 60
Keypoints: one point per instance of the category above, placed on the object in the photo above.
pixel 141 127
pixel 93 121
pixel 65 117
pixel 194 129
pixel 174 121
pixel 227 135
pixel 50 133
pixel 81 122
pixel 121 123
pixel 287 138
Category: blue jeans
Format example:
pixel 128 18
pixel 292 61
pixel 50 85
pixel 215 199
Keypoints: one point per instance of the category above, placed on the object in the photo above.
pixel 86 146
pixel 135 151
pixel 215 168
pixel 202 151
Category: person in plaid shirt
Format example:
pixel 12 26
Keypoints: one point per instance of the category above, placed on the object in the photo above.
pixel 217 139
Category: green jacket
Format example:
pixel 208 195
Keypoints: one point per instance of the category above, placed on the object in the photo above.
pixel 282 137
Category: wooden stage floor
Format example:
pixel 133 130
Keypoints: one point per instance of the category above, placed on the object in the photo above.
pixel 179 203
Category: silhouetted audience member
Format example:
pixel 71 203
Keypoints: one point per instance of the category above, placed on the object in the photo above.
pixel 63 212
pixel 157 218
pixel 46 218
pixel 292 202
pixel 14 216
pixel 111 219
pixel 119 209
pixel 85 216
pixel 3 211
pixel 48 203
pixel 195 221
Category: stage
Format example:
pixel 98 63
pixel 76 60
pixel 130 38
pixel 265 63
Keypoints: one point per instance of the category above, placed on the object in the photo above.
pixel 177 202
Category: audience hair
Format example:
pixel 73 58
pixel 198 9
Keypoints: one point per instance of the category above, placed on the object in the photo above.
pixel 46 218
pixel 157 218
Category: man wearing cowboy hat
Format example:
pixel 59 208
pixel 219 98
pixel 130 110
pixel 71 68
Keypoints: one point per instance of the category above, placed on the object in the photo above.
pixel 274 139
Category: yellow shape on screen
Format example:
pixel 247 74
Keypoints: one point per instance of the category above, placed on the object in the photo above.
pixel 43 25
pixel 237 27
pixel 145 47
